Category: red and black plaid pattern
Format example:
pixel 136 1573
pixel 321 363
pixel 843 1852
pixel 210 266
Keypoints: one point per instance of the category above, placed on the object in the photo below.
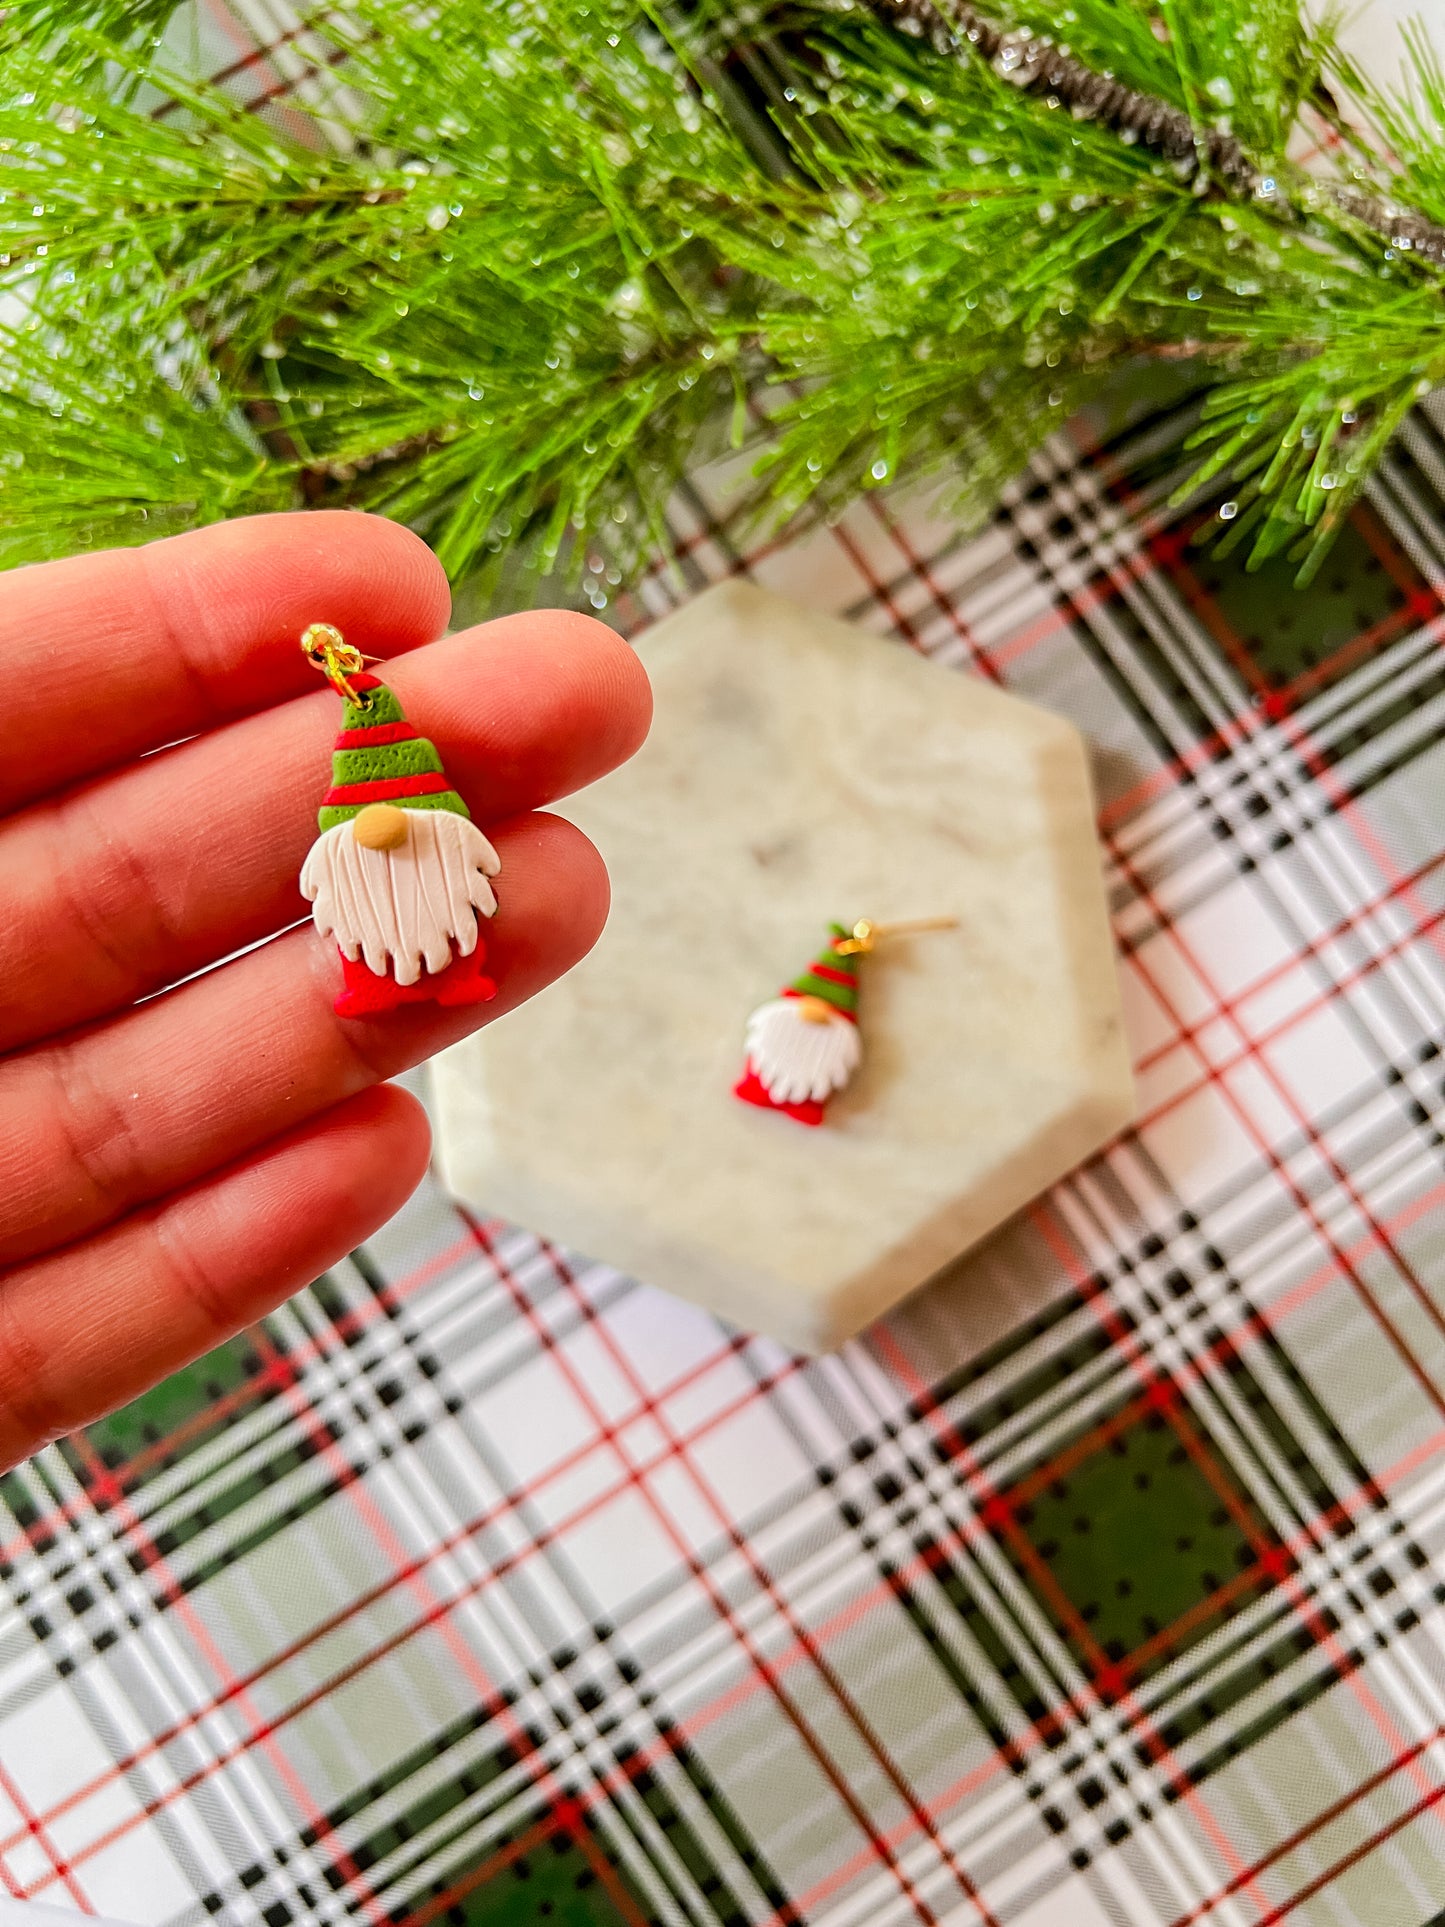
pixel 1096 1585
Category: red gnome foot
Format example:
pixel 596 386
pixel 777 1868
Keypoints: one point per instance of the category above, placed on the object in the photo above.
pixel 462 982
pixel 751 1090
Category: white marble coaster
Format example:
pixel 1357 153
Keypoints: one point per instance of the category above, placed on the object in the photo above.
pixel 799 771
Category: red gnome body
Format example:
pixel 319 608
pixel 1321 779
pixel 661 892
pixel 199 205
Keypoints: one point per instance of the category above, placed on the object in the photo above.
pixel 400 873
pixel 804 1045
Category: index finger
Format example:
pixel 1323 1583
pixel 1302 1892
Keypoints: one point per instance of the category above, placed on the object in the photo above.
pixel 109 655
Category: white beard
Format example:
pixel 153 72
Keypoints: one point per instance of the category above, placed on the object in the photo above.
pixel 410 904
pixel 796 1060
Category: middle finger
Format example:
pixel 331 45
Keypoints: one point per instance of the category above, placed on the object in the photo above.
pixel 123 886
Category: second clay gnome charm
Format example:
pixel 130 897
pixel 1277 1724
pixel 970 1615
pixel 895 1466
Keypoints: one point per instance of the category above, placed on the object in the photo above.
pixel 803 1045
pixel 399 875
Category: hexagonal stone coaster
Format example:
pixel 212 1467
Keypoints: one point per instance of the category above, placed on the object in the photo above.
pixel 800 771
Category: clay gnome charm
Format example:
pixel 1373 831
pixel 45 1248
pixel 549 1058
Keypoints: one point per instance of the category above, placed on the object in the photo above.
pixel 804 1045
pixel 399 873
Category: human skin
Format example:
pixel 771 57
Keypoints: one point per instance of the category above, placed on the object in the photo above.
pixel 172 1166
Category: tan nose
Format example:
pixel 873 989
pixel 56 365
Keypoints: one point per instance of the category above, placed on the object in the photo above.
pixel 815 1010
pixel 380 826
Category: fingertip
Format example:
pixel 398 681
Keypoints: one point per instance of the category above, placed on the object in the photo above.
pixel 379 1147
pixel 627 685
pixel 417 580
pixel 313 1192
pixel 557 908
pixel 602 667
pixel 331 539
pixel 529 707
pixel 246 589
pixel 391 1123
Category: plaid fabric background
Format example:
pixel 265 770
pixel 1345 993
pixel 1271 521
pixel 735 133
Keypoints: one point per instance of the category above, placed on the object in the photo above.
pixel 1098 1585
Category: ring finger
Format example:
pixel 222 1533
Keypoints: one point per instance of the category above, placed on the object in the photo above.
pixel 94 1125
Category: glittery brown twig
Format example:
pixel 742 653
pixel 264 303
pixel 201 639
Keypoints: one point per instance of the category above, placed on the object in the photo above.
pixel 1411 233
pixel 1036 64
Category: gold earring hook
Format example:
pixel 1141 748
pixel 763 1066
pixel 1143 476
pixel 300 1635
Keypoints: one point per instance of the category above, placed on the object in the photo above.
pixel 326 649
pixel 866 933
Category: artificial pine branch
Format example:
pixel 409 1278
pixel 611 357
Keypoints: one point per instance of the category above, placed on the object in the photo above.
pixel 1038 64
pixel 538 258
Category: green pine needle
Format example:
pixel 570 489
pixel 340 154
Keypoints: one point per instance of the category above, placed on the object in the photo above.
pixel 518 267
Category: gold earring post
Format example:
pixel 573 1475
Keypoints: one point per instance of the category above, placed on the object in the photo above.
pixel 866 933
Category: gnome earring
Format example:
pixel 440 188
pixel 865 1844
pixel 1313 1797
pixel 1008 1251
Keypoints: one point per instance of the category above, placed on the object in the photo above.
pixel 399 871
pixel 804 1045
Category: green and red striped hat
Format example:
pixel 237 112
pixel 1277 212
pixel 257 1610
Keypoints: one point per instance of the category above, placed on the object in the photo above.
pixel 831 977
pixel 379 758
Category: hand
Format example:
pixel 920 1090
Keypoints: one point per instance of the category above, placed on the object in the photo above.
pixel 171 1169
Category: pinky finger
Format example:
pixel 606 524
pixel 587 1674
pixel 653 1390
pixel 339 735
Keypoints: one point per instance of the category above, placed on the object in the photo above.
pixel 85 1329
